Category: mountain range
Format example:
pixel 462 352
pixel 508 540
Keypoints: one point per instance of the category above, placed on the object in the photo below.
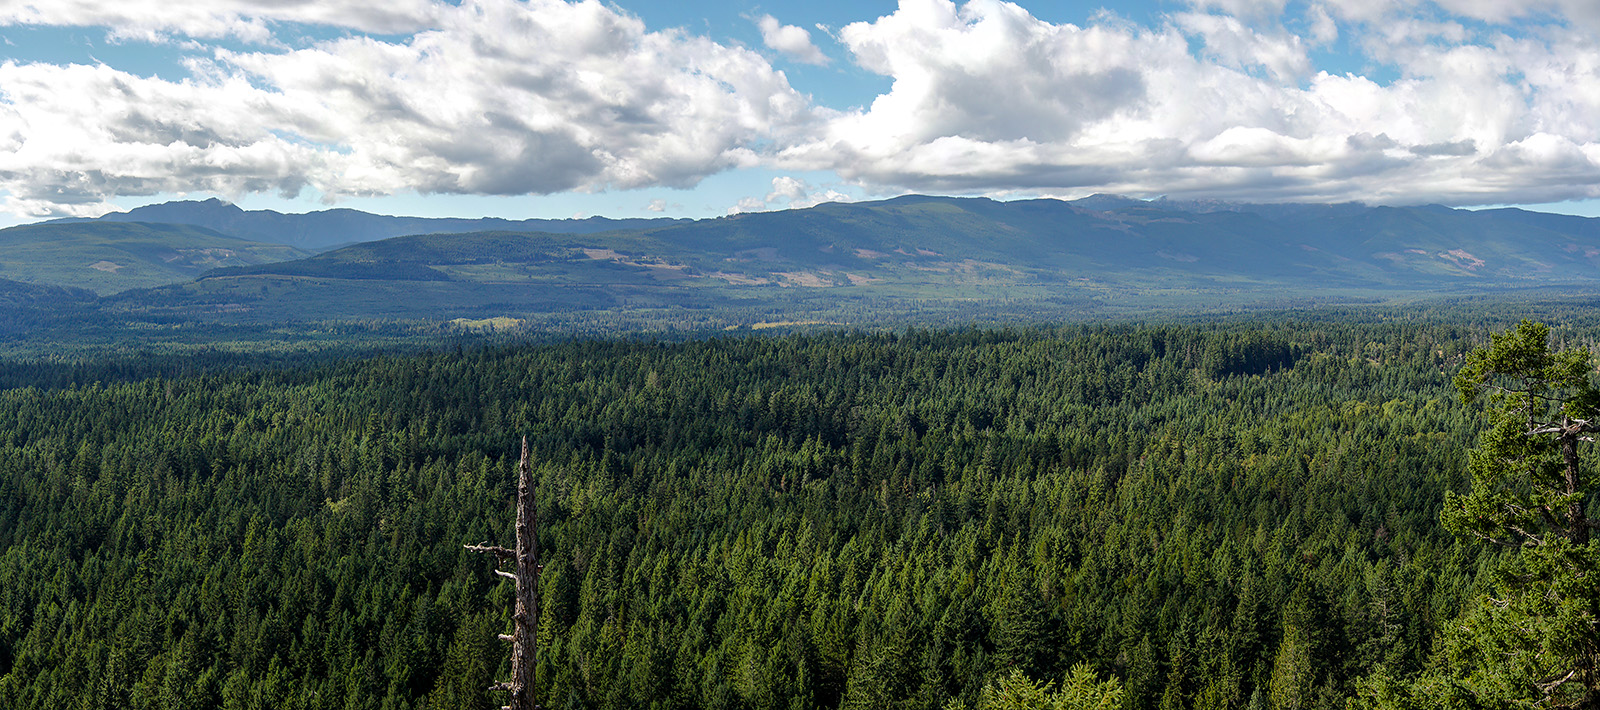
pixel 840 262
pixel 326 229
pixel 107 257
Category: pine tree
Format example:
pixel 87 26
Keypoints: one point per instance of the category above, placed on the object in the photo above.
pixel 1529 489
pixel 1082 689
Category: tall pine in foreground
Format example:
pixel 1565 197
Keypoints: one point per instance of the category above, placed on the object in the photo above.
pixel 1534 640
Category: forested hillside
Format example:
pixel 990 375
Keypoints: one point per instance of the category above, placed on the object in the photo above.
pixel 899 259
pixel 106 257
pixel 324 229
pixel 1214 516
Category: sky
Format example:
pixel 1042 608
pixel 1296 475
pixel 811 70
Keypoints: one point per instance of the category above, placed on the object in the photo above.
pixel 701 108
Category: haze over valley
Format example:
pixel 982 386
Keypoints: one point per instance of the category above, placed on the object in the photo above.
pixel 914 355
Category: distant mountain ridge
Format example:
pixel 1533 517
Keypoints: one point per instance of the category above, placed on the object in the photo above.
pixel 109 257
pixel 17 294
pixel 321 230
pixel 835 262
pixel 908 252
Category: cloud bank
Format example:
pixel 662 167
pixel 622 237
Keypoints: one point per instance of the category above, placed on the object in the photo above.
pixel 500 97
pixel 248 20
pixel 1482 102
pixel 988 98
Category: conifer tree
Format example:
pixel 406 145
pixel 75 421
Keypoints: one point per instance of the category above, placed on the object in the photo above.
pixel 1530 485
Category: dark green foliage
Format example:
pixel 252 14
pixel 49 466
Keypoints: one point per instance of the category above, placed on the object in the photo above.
pixel 15 295
pixel 26 307
pixel 1534 639
pixel 849 520
pixel 1253 353
pixel 1079 691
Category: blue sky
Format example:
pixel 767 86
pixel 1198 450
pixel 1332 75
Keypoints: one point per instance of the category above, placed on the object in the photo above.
pixel 548 108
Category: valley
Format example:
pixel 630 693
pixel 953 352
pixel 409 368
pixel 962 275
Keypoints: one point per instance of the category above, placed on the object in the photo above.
pixel 901 261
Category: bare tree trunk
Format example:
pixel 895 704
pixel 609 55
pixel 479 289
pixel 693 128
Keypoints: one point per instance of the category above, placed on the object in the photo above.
pixel 524 635
pixel 1569 455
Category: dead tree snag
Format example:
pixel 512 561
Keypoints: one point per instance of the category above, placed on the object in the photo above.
pixel 525 618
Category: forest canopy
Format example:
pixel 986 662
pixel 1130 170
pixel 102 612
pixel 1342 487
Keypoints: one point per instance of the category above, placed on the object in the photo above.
pixel 1209 516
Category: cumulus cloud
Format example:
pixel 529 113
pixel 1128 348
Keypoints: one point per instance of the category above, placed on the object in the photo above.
pixel 1362 10
pixel 987 98
pixel 1583 13
pixel 790 193
pixel 795 193
pixel 792 41
pixel 71 137
pixel 243 19
pixel 1232 43
pixel 1249 9
pixel 749 204
pixel 516 97
pixel 504 97
pixel 1322 29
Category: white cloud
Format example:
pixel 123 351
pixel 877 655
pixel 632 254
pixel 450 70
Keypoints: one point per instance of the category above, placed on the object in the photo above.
pixel 792 41
pixel 71 137
pixel 1323 29
pixel 514 97
pixel 1363 10
pixel 795 193
pixel 1582 13
pixel 990 72
pixel 248 20
pixel 987 98
pixel 504 97
pixel 1233 44
pixel 1250 9
pixel 657 205
pixel 749 204
pixel 790 193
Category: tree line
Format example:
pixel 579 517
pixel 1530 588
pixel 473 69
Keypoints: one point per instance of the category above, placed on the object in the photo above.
pixel 1234 516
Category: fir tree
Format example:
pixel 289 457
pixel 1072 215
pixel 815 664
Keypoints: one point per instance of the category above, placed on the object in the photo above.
pixel 1529 489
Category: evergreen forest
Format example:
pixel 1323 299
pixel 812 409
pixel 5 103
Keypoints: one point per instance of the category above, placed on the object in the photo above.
pixel 1208 515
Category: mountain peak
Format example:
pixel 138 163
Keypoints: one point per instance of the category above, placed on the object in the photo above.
pixel 1101 202
pixel 182 211
pixel 327 228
